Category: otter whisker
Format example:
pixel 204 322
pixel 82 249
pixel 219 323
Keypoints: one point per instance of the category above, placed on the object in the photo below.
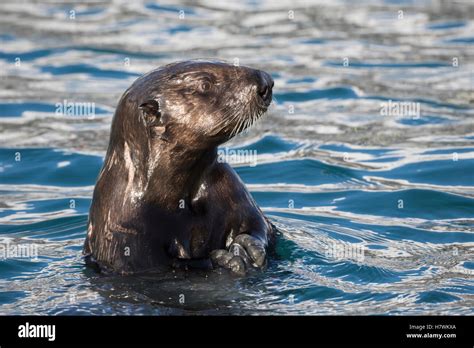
pixel 227 118
pixel 239 118
pixel 234 130
pixel 235 116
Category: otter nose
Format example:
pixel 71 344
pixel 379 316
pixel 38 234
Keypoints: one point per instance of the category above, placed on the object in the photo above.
pixel 265 85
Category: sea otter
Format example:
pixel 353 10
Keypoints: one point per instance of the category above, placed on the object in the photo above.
pixel 162 197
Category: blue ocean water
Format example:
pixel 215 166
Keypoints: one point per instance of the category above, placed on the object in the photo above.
pixel 375 211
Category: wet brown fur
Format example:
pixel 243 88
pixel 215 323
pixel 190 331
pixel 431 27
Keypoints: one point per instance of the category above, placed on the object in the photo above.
pixel 155 163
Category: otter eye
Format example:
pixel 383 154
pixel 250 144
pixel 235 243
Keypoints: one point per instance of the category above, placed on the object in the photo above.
pixel 205 86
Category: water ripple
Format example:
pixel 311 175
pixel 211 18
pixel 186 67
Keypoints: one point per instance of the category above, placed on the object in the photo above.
pixel 375 212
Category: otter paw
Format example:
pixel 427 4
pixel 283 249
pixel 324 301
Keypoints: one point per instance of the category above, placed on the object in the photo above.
pixel 226 259
pixel 251 249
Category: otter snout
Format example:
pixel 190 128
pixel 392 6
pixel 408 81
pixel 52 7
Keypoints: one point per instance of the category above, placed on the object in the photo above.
pixel 264 87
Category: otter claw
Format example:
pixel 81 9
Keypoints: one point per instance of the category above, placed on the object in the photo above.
pixel 245 251
pixel 221 257
pixel 226 259
pixel 253 247
pixel 237 265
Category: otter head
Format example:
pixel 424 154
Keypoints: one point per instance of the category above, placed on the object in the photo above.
pixel 174 117
pixel 200 104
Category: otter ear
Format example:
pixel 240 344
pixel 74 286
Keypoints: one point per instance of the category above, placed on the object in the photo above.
pixel 151 115
pixel 150 111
